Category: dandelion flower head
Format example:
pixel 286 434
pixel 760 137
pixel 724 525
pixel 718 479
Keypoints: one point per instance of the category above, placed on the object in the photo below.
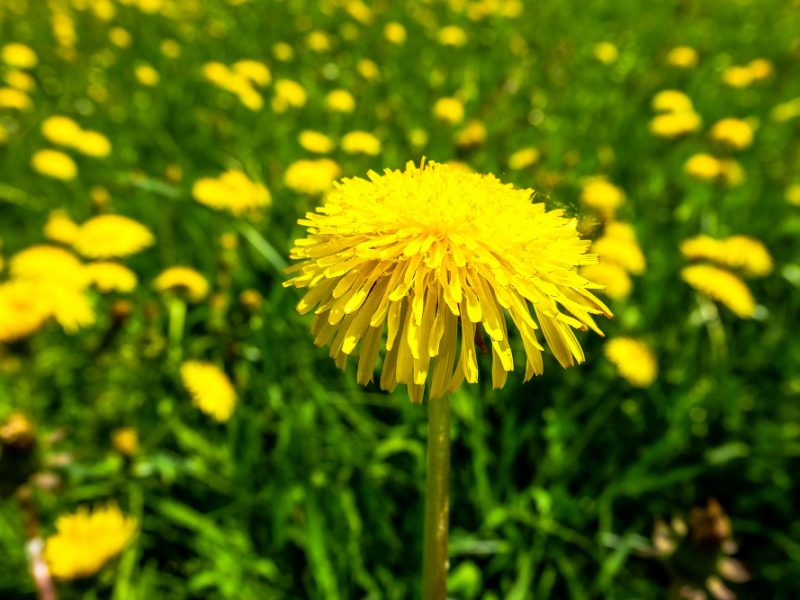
pixel 449 109
pixel 19 56
pixel 523 158
pixel 232 191
pixel 55 164
pixel 210 388
pixel 183 280
pixel 603 196
pixel 111 236
pixel 633 359
pixel 315 141
pixel 111 277
pixel 422 261
pixel 361 142
pixel 734 133
pixel 723 286
pixel 683 57
pixel 312 177
pixel 85 541
pixel 737 251
pixel 340 101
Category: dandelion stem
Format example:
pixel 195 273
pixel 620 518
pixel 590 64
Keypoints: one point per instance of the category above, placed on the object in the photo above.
pixel 437 501
pixel 177 318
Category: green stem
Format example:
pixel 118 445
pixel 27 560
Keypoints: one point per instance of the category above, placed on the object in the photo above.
pixel 437 501
pixel 177 318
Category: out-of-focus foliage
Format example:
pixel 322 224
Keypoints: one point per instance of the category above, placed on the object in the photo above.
pixel 669 129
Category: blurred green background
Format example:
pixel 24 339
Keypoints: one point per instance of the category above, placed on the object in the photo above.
pixel 313 488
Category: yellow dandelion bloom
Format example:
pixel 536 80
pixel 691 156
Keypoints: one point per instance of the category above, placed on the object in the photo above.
pixel 318 41
pixel 394 33
pixel 112 236
pixel 111 277
pixel 14 98
pixel 361 142
pixel 633 359
pixel 723 286
pixel 210 388
pixel 232 191
pixel 51 263
pixel 615 280
pixel 683 57
pixel 340 101
pixel 368 69
pixel 253 70
pixel 92 143
pixel 431 255
pixel 282 52
pixel 19 56
pixel 288 94
pixel 737 251
pixel 55 164
pixel 147 75
pixel 452 35
pixel 120 37
pixel 675 124
pixel 183 280
pixel 760 69
pixel 450 110
pixel 20 80
pixel 60 228
pixel 316 142
pixel 606 52
pixel 735 133
pixel 60 130
pixel 602 196
pixel 170 48
pixel 618 245
pixel 473 134
pixel 125 441
pixel 793 194
pixel 704 166
pixel 737 76
pixel 86 541
pixel 359 11
pixel 71 306
pixel 313 177
pixel 672 101
pixel 23 310
pixel 523 158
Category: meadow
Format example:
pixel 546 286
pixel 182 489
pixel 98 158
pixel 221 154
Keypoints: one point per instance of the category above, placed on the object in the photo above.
pixel 169 429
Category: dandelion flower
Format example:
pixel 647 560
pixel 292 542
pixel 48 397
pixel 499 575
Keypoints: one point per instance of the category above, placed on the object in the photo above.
pixel 125 441
pixel 316 142
pixel 232 191
pixel 472 134
pixel 368 69
pixel 111 277
pixel 672 101
pixel 602 196
pixel 523 158
pixel 210 388
pixel 735 133
pixel 723 286
pixel 450 110
pixel 112 236
pixel 22 310
pixel 683 57
pixel 282 51
pixel 618 245
pixel 361 142
pixel 86 541
pixel 313 177
pixel 606 52
pixel 21 81
pixel 19 56
pixel 16 99
pixel 60 130
pixel 44 262
pixel 288 94
pixel 170 48
pixel 147 75
pixel 92 143
pixel 340 101
pixel 183 280
pixel 452 35
pixel 793 194
pixel 55 164
pixel 318 41
pixel 615 280
pixel 431 257
pixel 253 70
pixel 675 124
pixel 760 69
pixel 60 228
pixel 120 37
pixel 737 251
pixel 394 33
pixel 633 359
pixel 703 166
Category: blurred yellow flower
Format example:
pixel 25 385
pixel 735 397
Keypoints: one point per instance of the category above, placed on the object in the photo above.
pixel 611 276
pixel 183 280
pixel 111 277
pixel 19 56
pixel 472 134
pixel 359 11
pixel 523 158
pixel 452 35
pixel 253 70
pixel 395 33
pixel 111 236
pixel 618 245
pixel 45 262
pixel 737 76
pixel 120 37
pixel 633 359
pixel 340 101
pixel 288 94
pixel 60 228
pixel 760 69
pixel 786 111
pixel 670 125
pixel 735 133
pixel 147 75
pixel 232 191
pixel 603 196
pixel 23 310
pixel 60 130
pixel 703 166
pixel 20 80
pixel 316 142
pixel 318 41
pixel 361 142
pixel 368 69
pixel 282 51
pixel 449 109
pixel 429 247
pixel 86 541
pixel 210 388
pixel 736 251
pixel 723 286
pixel 313 177
pixel 170 48
pixel 683 57
pixel 14 98
pixel 606 52
pixel 793 194
pixel 125 441
pixel 55 164
pixel 672 101
pixel 92 143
